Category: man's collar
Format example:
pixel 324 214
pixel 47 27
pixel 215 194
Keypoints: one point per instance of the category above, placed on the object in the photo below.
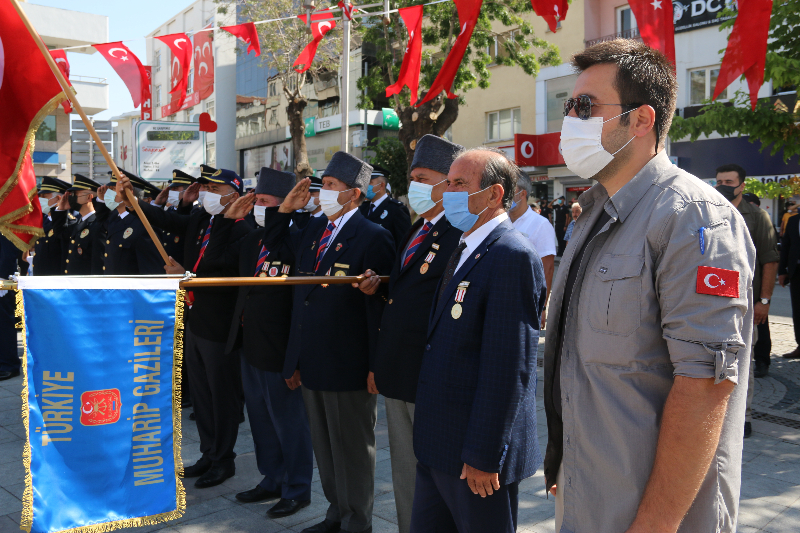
pixel 478 236
pixel 436 219
pixel 84 217
pixel 342 220
pixel 380 200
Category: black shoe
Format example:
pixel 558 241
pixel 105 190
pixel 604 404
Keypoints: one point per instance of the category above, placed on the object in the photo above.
pixel 761 370
pixel 216 475
pixel 8 374
pixel 328 526
pixel 748 430
pixel 191 416
pixel 287 508
pixel 794 354
pixel 258 494
pixel 186 403
pixel 198 469
pixel 368 530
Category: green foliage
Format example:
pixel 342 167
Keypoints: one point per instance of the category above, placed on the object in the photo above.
pixel 771 126
pixel 773 189
pixel 439 29
pixel 390 154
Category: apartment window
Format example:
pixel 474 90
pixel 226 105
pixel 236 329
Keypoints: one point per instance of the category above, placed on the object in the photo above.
pixel 211 153
pixel 157 95
pixel 273 117
pixel 157 60
pixel 701 85
pixel 210 108
pixel 502 125
pixel 273 90
pixel 493 49
pixel 557 90
pixel 47 130
pixel 626 22
pixel 190 82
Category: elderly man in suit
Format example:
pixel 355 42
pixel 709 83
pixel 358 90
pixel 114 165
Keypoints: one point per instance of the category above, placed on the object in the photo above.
pixel 333 335
pixel 475 421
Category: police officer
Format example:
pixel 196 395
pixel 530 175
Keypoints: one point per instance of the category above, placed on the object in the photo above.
pixel 170 199
pixel 333 335
pixel 48 250
pixel 421 260
pixel 384 210
pixel 214 373
pixel 83 233
pixel 277 413
pixel 312 209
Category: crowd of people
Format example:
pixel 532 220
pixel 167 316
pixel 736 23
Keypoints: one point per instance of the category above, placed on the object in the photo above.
pixel 649 336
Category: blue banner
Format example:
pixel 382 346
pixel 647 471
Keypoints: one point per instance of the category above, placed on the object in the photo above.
pixel 103 412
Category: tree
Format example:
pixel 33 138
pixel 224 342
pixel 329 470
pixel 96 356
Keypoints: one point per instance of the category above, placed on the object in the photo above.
pixel 520 47
pixel 389 153
pixel 776 126
pixel 281 43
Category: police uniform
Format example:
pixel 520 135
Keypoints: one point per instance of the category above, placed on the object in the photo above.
pixel 173 242
pixel 82 236
pixel 50 248
pixel 388 213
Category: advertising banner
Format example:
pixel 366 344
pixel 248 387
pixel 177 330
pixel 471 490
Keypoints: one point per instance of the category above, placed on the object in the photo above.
pixel 695 14
pixel 162 147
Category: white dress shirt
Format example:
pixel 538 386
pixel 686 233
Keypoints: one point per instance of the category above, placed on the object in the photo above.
pixel 539 231
pixel 478 236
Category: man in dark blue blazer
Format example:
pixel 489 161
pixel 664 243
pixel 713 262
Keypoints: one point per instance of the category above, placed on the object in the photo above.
pixel 384 210
pixel 475 427
pixel 333 335
pixel 421 260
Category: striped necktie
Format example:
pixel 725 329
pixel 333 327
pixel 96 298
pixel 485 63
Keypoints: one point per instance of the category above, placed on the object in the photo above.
pixel 417 242
pixel 203 246
pixel 262 256
pixel 323 243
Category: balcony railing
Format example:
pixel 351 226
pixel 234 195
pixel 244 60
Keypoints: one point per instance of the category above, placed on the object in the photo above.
pixel 633 33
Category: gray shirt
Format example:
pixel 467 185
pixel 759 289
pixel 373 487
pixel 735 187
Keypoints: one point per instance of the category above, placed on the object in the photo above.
pixel 636 320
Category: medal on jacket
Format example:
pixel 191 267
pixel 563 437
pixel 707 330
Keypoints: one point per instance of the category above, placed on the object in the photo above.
pixel 426 265
pixel 84 233
pixel 80 250
pixel 384 214
pixel 128 232
pixel 285 269
pixel 461 292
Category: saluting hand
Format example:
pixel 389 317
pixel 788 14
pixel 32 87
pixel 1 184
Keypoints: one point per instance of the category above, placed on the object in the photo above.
pixel 370 283
pixel 191 194
pixel 241 206
pixel 297 198
pixel 161 199
pixel 63 202
pixel 483 483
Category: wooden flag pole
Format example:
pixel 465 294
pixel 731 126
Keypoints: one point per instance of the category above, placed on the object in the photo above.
pixel 67 91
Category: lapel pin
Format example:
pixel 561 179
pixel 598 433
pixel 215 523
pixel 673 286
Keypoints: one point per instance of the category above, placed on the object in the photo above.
pixel 435 233
pixel 477 256
pixel 338 247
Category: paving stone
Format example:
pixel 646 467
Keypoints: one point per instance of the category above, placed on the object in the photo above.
pixel 788 520
pixel 758 513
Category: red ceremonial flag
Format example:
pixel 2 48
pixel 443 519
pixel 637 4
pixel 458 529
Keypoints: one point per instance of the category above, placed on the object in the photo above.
pixel 29 91
pixel 60 57
pixel 654 19
pixel 203 64
pixel 126 65
pixel 246 32
pixel 551 11
pixel 746 53
pixel 717 281
pixel 468 11
pixel 181 48
pixel 409 70
pixel 318 31
pixel 347 9
pixel 147 93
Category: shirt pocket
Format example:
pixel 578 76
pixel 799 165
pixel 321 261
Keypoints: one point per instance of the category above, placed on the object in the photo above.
pixel 615 306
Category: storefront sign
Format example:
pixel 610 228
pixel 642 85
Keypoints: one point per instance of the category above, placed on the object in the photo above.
pixel 694 14
pixel 537 150
pixel 390 119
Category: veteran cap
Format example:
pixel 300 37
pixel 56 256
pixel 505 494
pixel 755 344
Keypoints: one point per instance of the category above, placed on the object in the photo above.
pixel 316 184
pixel 53 185
pixel 223 177
pixel 274 182
pixel 350 170
pixel 435 153
pixel 82 183
pixel 206 171
pixel 180 177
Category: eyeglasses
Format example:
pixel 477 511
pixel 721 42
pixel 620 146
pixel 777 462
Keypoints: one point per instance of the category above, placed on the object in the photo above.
pixel 583 106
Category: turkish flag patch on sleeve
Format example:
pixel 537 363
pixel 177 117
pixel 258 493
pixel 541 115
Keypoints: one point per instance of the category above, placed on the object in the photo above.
pixel 717 281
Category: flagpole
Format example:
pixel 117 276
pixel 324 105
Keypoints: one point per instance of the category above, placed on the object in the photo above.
pixel 88 123
pixel 344 98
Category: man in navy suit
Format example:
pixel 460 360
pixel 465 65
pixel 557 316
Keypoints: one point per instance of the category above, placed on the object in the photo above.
pixel 475 422
pixel 333 335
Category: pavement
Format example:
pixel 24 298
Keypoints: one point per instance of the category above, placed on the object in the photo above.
pixel 770 495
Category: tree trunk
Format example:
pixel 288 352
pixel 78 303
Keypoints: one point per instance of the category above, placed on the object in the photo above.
pixel 412 130
pixel 297 129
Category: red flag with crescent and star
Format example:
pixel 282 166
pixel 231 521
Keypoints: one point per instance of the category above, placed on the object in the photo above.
pixel 746 53
pixel 717 281
pixel 203 64
pixel 552 11
pixel 412 59
pixel 656 26
pixel 181 47
pixel 246 32
pixel 126 65
pixel 29 91
pixel 468 11
pixel 60 57
pixel 318 31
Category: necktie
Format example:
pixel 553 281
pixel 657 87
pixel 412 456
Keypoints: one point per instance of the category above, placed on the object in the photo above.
pixel 323 243
pixel 371 210
pixel 262 256
pixel 190 294
pixel 451 269
pixel 416 242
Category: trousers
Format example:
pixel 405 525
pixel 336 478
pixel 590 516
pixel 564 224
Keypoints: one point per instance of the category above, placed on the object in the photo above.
pixel 9 358
pixel 751 379
pixel 400 418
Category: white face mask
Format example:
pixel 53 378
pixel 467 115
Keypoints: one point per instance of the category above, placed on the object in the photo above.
pixel 311 205
pixel 329 201
pixel 212 203
pixel 44 202
pixel 260 212
pixel 174 198
pixel 201 196
pixel 582 146
pixel 109 198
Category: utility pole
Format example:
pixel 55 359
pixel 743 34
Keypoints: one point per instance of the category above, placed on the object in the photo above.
pixel 344 97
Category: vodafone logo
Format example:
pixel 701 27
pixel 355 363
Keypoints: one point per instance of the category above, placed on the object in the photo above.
pixel 708 279
pixel 526 149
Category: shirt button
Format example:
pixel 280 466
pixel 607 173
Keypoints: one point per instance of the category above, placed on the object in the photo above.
pixel 65 272
pixel 428 347
pixel 390 301
pixel 108 242
pixel 70 251
pixel 67 260
pixel 722 376
pixel 306 302
pixel 566 398
pixel 105 255
pixel 569 482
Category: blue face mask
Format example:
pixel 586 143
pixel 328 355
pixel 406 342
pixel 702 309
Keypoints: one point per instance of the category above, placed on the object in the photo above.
pixel 513 203
pixel 370 192
pixel 419 196
pixel 456 209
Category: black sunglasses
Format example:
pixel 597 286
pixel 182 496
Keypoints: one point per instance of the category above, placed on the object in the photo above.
pixel 583 106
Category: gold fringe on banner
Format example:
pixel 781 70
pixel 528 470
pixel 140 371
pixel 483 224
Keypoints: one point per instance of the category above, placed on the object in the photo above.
pixel 26 521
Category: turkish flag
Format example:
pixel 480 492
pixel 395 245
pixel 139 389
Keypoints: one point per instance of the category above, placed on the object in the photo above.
pixel 347 9
pixel 60 57
pixel 468 11
pixel 28 92
pixel 203 64
pixel 181 48
pixel 246 32
pixel 717 281
pixel 551 11
pixel 654 19
pixel 126 65
pixel 746 53
pixel 318 31
pixel 147 94
pixel 412 59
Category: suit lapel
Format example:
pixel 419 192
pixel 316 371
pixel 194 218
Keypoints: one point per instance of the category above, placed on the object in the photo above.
pixel 338 244
pixel 437 232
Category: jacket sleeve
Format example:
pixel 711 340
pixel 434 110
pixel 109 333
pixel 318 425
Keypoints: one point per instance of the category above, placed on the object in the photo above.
pixel 786 244
pixel 379 258
pixel 276 232
pixel 222 252
pixel 148 259
pixel 507 366
pixel 59 222
pixel 170 221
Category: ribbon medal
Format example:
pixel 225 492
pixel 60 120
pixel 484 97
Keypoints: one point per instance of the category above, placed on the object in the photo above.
pixel 426 265
pixel 461 292
pixel 285 270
